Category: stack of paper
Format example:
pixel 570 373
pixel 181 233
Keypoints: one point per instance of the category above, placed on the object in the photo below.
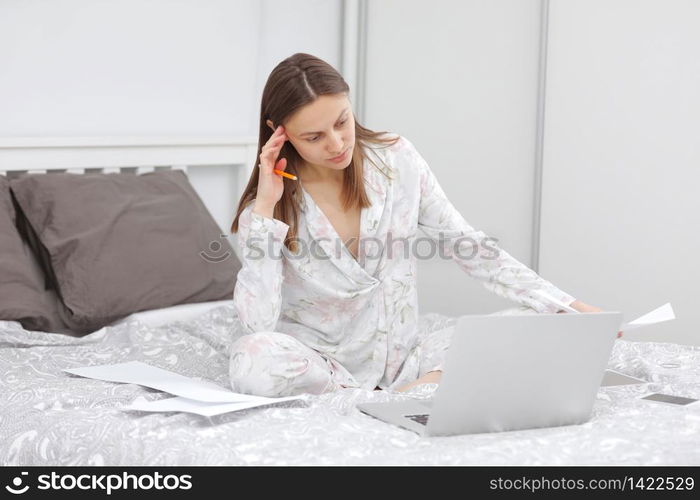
pixel 193 396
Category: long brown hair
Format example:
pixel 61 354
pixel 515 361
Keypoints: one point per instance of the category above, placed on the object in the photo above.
pixel 295 82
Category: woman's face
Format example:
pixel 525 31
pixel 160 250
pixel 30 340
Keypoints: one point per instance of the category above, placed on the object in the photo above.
pixel 323 130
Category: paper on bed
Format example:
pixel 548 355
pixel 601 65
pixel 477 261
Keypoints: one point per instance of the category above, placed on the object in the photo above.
pixel 613 377
pixel 199 407
pixel 136 372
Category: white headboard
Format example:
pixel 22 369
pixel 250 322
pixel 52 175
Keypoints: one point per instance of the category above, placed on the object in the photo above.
pixel 217 167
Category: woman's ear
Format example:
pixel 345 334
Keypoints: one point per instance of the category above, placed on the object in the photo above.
pixel 269 124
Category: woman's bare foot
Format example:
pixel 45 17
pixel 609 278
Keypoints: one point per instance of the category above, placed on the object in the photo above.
pixel 429 378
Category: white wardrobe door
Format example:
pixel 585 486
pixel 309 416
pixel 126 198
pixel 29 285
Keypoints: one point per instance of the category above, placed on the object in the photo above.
pixel 460 82
pixel 620 209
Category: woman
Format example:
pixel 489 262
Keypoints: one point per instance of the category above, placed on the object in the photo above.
pixel 327 289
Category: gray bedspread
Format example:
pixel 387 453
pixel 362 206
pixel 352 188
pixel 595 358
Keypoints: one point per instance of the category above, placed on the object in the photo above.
pixel 49 417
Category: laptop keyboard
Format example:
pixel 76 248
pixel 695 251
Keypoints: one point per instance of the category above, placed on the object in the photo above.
pixel 421 418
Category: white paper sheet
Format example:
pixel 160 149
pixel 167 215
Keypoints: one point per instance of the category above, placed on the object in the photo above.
pixel 199 407
pixel 658 315
pixel 136 372
pixel 614 378
pixel 662 313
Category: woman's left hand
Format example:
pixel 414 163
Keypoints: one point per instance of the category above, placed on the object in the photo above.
pixel 584 308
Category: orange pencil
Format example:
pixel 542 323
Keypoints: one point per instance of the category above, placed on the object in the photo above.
pixel 285 174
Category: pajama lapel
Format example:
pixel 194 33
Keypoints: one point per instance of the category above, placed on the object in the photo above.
pixel 374 223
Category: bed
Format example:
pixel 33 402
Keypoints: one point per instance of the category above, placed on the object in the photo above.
pixel 49 417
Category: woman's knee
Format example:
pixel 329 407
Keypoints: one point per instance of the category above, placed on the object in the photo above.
pixel 274 364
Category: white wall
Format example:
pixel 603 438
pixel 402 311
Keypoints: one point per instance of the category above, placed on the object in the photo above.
pixel 460 81
pixel 621 208
pixel 158 67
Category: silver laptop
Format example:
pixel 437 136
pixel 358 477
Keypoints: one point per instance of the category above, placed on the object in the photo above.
pixel 513 372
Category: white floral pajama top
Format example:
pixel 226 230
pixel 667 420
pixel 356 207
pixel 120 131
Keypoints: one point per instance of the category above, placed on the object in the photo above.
pixel 364 313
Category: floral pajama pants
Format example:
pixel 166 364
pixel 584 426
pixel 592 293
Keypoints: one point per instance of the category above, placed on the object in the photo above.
pixel 275 364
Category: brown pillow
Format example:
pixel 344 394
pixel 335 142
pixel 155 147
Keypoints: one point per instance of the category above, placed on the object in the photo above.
pixel 115 244
pixel 23 296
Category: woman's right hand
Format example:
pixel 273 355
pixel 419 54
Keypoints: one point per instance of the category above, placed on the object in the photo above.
pixel 270 184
